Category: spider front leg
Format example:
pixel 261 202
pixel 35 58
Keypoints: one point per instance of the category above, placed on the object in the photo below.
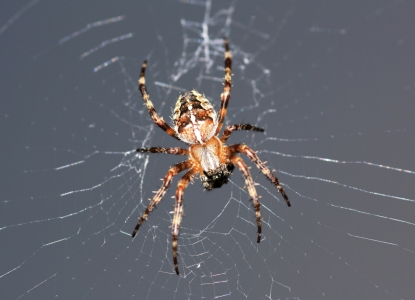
pixel 242 148
pixel 236 160
pixel 151 110
pixel 231 128
pixel 178 213
pixel 176 169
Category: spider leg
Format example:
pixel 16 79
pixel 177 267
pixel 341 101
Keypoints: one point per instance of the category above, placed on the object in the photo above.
pixel 236 160
pixel 174 150
pixel 151 110
pixel 231 128
pixel 242 148
pixel 178 212
pixel 225 96
pixel 176 169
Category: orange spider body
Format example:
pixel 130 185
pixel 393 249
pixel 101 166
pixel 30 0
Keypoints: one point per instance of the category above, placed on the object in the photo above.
pixel 196 123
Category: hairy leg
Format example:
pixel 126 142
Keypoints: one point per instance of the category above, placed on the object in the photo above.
pixel 236 160
pixel 227 84
pixel 176 169
pixel 231 128
pixel 178 213
pixel 242 148
pixel 151 110
pixel 175 150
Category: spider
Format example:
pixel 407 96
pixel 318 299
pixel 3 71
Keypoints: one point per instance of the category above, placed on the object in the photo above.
pixel 196 123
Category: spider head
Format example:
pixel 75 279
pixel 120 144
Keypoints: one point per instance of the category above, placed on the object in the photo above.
pixel 220 177
pixel 194 118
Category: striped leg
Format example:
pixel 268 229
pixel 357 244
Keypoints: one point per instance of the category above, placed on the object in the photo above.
pixel 175 150
pixel 242 148
pixel 151 110
pixel 236 160
pixel 176 169
pixel 227 84
pixel 229 129
pixel 178 213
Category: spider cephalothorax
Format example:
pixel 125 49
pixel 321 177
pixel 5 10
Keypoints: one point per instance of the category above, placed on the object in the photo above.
pixel 196 123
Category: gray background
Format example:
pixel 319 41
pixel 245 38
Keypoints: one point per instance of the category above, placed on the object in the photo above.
pixel 340 86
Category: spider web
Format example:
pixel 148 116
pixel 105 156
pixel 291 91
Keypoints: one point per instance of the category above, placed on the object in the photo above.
pixel 331 83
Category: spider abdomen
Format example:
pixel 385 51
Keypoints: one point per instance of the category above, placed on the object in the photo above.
pixel 194 118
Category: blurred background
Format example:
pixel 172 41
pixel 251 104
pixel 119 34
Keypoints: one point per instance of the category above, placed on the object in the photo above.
pixel 332 83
